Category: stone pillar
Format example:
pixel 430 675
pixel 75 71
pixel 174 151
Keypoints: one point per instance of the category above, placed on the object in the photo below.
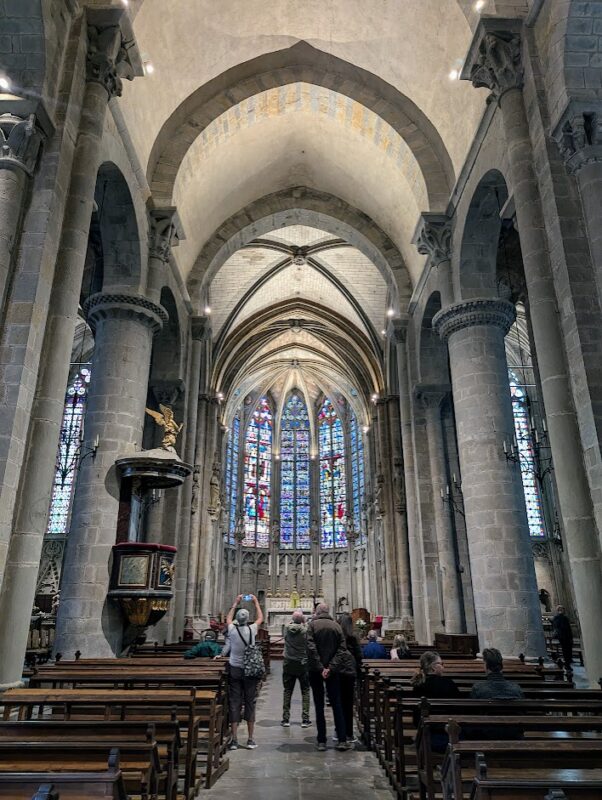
pixel 107 62
pixel 384 491
pixel 124 326
pixel 494 61
pixel 431 397
pixel 505 590
pixel 165 232
pixel 20 140
pixel 352 537
pixel 398 333
pixel 196 510
pixel 433 237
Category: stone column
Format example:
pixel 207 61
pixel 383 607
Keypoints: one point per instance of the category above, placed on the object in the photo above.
pixel 433 237
pixel 505 590
pixel 390 577
pixel 352 537
pixel 431 397
pixel 398 334
pixel 124 326
pixel 20 140
pixel 197 509
pixel 107 62
pixel 165 232
pixel 494 61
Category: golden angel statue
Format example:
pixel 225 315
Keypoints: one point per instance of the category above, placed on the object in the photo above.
pixel 166 420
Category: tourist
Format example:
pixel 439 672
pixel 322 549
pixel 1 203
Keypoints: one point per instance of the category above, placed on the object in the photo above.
pixel 400 648
pixel 295 668
pixel 429 681
pixel 241 634
pixel 374 649
pixel 495 686
pixel 561 626
pixel 349 671
pixel 325 648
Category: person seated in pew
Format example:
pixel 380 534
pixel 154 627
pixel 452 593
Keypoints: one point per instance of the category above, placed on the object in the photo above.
pixel 495 686
pixel 374 649
pixel 400 648
pixel 429 681
pixel 206 649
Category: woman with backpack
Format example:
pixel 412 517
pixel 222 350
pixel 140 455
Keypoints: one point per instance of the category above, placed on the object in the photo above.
pixel 245 667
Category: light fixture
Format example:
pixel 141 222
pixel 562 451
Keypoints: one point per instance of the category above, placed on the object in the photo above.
pixel 390 312
pixel 4 83
pixel 374 398
pixel 125 2
pixel 479 5
pixel 454 75
pixel 148 68
pixel 366 428
pixel 207 310
pixel 383 332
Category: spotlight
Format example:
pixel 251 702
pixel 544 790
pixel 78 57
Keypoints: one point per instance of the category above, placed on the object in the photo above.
pixel 479 5
pixel 454 75
pixel 383 332
pixel 4 83
pixel 366 428
pixel 207 310
pixel 148 68
pixel 390 312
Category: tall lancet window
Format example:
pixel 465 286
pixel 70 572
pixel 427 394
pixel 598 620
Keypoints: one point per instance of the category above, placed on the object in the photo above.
pixel 333 496
pixel 357 472
pixel 527 457
pixel 68 454
pixel 294 485
pixel 258 475
pixel 232 476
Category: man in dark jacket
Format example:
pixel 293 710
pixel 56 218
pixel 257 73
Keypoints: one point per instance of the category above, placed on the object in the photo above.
pixel 495 686
pixel 564 633
pixel 326 648
pixel 295 668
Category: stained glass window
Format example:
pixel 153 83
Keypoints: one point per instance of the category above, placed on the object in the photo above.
pixel 357 471
pixel 232 450
pixel 527 458
pixel 333 496
pixel 68 454
pixel 258 473
pixel 294 465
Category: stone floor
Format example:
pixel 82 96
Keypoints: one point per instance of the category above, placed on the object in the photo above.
pixel 286 764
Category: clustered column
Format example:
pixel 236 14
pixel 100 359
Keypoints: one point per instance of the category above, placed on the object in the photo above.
pixel 505 589
pixel 124 326
pixel 495 62
pixel 431 397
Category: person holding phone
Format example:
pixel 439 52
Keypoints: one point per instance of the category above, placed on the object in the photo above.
pixel 241 688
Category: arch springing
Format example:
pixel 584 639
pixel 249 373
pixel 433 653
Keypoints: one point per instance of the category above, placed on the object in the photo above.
pixel 258 476
pixel 333 494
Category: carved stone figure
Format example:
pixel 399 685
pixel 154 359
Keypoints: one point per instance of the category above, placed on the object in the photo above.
pixel 314 532
pixel 275 532
pixel 377 503
pixel 166 420
pixel 215 502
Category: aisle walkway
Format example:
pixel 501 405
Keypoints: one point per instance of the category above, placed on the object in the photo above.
pixel 286 764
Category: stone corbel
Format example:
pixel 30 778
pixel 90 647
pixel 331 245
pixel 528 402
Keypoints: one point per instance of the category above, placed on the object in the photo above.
pixel 165 232
pixel 431 395
pixel 201 328
pixel 578 135
pixel 494 59
pixel 112 52
pixel 397 329
pixel 168 392
pixel 433 237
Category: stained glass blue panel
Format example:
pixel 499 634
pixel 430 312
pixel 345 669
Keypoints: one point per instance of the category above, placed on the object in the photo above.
pixel 333 494
pixel 527 458
pixel 231 477
pixel 68 454
pixel 357 472
pixel 258 475
pixel 294 484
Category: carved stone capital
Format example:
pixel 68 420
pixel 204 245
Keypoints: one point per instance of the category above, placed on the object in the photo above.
pixel 168 392
pixel 469 313
pixel 431 395
pixel 165 232
pixel 494 59
pixel 579 137
pixel 111 56
pixel 200 328
pixel 20 140
pixel 433 237
pixel 106 305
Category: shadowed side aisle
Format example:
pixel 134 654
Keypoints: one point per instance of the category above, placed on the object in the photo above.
pixel 286 764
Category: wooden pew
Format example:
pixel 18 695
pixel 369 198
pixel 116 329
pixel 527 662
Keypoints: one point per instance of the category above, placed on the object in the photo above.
pixel 103 785
pixel 545 762
pixel 111 733
pixel 124 705
pixel 518 787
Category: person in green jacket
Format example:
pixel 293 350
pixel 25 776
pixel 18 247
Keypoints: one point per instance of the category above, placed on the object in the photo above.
pixel 204 650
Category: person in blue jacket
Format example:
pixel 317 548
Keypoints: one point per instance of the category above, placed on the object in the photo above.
pixel 374 649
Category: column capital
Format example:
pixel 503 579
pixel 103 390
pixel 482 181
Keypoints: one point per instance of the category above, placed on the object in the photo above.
pixel 165 232
pixel 433 237
pixel 494 57
pixel 397 329
pixel 200 328
pixel 106 305
pixel 112 53
pixel 20 140
pixel 168 392
pixel 431 395
pixel 578 135
pixel 468 313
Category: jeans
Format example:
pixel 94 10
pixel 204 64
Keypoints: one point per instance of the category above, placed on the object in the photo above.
pixel 288 681
pixel 333 688
pixel 348 701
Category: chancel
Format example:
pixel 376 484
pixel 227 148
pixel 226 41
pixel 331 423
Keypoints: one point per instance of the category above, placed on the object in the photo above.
pixel 300 304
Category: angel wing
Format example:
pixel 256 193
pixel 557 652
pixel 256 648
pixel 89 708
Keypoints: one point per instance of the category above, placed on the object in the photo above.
pixel 167 413
pixel 159 418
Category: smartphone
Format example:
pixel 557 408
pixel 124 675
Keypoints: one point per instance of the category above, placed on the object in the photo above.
pixel 247 597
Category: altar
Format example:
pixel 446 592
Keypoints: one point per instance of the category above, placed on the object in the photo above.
pixel 279 609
